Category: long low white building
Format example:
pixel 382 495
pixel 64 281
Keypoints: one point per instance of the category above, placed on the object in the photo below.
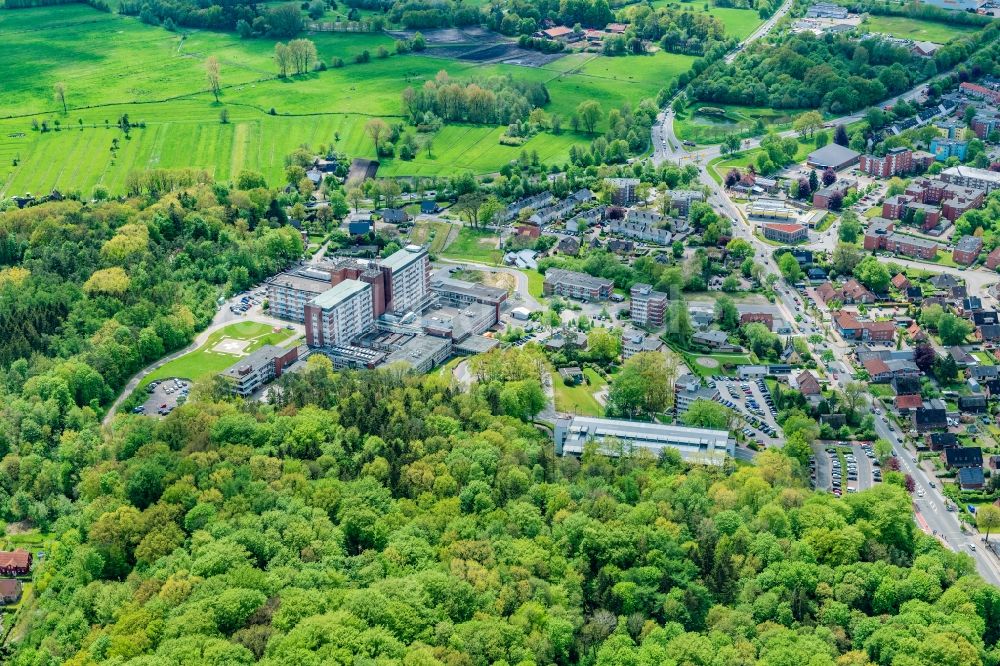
pixel 695 445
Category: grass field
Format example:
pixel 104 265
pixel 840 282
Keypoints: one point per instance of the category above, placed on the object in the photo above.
pixel 916 29
pixel 113 65
pixel 707 129
pixel 579 399
pixel 739 23
pixel 433 233
pixel 202 363
pixel 473 245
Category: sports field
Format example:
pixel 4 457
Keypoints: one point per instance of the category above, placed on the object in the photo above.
pixel 916 29
pixel 113 65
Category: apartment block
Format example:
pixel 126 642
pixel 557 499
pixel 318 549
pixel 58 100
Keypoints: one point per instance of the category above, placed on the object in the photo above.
pixel 623 190
pixel 576 285
pixel 980 179
pixel 967 250
pixel 785 233
pixel 648 306
pixel 896 161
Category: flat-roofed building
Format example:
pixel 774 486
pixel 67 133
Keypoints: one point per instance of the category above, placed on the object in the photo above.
pixel 980 179
pixel 459 293
pixel 615 437
pixel 409 280
pixel 576 285
pixel 288 293
pixel 257 369
pixel 339 314
pixel 647 306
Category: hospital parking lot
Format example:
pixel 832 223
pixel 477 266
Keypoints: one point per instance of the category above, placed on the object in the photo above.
pixel 164 396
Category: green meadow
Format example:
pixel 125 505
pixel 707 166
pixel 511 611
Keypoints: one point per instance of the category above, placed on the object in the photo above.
pixel 916 29
pixel 112 65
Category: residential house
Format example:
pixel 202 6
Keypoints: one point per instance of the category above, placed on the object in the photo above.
pixel 571 375
pixel 900 282
pixel 945 281
pixel 957 457
pixel 765 318
pixel 10 591
pixel 962 358
pixel 931 415
pixel 568 245
pixel 717 340
pixel 972 404
pixel 972 305
pixel 15 563
pixel 904 404
pixel 988 333
pixel 394 215
pixel 849 293
pixel 939 441
pixel 915 333
pixel 822 196
pixel 971 478
pixel 429 207
pixel 914 295
pixel 983 372
pixel 807 383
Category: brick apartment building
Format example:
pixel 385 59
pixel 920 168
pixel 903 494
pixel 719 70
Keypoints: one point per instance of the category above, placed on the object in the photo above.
pixel 980 179
pixel 967 250
pixel 980 92
pixel 852 329
pixel 984 123
pixel 647 307
pixel 896 161
pixel 576 285
pixel 880 236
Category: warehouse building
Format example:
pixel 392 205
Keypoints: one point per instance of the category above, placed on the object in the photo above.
pixel 616 437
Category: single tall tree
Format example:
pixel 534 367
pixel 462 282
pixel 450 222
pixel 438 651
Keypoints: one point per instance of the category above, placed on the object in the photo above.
pixel 590 114
pixel 988 519
pixel 59 89
pixel 376 129
pixel 212 75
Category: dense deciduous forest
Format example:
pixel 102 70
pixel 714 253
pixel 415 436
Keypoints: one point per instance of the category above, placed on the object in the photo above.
pixel 90 293
pixel 495 100
pixel 835 73
pixel 393 519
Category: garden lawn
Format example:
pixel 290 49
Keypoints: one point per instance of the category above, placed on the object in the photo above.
pixel 474 245
pixel 536 283
pixel 202 363
pixel 917 29
pixel 579 399
pixel 984 357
